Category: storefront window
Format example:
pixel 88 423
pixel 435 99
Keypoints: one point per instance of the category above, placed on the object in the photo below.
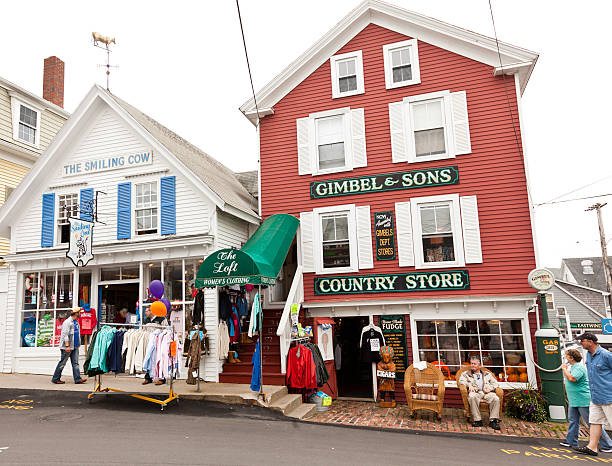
pixel 451 343
pixel 191 269
pixel 84 288
pixel 110 273
pixel 64 290
pixel 173 280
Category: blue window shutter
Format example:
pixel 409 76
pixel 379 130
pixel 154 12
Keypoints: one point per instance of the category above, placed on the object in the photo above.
pixel 124 210
pixel 168 205
pixel 48 213
pixel 86 204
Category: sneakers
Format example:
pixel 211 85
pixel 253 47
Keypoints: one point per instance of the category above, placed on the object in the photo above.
pixel 494 424
pixel 585 451
pixel 605 450
pixel 564 444
pixel 477 424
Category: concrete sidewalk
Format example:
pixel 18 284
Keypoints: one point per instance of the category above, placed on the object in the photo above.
pixel 275 397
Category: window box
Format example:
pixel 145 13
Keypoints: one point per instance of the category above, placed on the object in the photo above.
pixel 401 64
pixel 347 74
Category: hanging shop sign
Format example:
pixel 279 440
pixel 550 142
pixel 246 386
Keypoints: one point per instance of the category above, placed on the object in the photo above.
pixel 230 267
pixel 387 182
pixel 384 233
pixel 115 162
pixel 385 283
pixel 81 236
pixel 541 279
pixel 394 331
pixel 582 325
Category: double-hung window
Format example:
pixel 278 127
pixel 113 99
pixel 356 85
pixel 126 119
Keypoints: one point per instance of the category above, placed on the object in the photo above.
pixel 26 121
pixel 437 232
pixel 347 74
pixel 68 207
pixel 335 243
pixel 146 208
pixel 429 127
pixel 330 142
pixel 401 64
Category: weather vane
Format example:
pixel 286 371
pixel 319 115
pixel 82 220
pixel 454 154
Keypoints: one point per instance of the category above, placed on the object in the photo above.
pixel 99 38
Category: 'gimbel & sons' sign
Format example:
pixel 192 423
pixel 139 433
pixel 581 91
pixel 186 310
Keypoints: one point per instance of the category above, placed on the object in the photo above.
pixel 388 182
pixel 114 162
pixel 384 283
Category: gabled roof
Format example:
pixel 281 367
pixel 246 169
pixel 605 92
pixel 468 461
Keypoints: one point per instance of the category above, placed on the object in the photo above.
pixel 595 280
pixel 250 180
pixel 12 87
pixel 455 39
pixel 215 180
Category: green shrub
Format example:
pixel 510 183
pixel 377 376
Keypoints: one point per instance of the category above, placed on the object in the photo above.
pixel 527 405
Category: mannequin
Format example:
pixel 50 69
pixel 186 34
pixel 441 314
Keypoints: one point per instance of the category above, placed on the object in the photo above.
pixel 385 371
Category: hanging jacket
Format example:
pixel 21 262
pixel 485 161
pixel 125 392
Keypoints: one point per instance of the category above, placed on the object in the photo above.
pixel 115 361
pixel 90 349
pixel 320 369
pixel 225 306
pixel 371 342
pixel 243 306
pixel 256 375
pixel 223 342
pixel 194 356
pixel 198 308
pixel 301 371
pixel 255 312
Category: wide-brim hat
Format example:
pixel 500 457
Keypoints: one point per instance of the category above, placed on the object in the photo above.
pixel 75 310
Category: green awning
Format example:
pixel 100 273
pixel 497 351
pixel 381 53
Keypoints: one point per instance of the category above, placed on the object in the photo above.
pixel 258 262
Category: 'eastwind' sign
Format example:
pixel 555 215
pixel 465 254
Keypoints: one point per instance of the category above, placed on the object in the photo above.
pixel 384 283
pixel 388 182
pixel 115 162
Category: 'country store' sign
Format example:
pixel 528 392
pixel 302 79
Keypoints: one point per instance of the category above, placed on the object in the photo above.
pixel 385 283
pixel 387 182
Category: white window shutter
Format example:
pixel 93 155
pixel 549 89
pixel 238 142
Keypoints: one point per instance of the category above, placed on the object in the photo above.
pixel 399 141
pixel 405 248
pixel 306 229
pixel 358 138
pixel 364 237
pixel 461 127
pixel 304 145
pixel 471 230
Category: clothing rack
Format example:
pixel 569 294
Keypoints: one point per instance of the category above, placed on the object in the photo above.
pixel 163 403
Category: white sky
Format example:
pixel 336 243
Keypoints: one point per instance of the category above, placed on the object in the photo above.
pixel 183 64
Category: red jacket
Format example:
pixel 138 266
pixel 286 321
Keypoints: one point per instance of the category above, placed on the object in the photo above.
pixel 301 368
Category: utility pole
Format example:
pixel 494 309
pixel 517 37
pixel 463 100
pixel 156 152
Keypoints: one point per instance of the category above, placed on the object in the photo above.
pixel 604 249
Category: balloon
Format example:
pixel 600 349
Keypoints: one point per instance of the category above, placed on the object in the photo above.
pixel 156 288
pixel 159 309
pixel 167 303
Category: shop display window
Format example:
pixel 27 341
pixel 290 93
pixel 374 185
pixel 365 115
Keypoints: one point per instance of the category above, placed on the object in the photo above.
pixel 64 290
pixel 450 344
pixel 191 269
pixel 173 280
pixel 84 288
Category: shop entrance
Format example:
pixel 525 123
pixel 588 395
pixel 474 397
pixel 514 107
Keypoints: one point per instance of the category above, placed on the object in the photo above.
pixel 354 376
pixel 114 297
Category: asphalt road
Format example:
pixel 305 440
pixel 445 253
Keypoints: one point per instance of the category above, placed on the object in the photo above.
pixel 40 428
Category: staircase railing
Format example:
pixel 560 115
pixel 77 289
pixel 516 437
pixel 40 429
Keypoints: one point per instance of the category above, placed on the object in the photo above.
pixel 296 296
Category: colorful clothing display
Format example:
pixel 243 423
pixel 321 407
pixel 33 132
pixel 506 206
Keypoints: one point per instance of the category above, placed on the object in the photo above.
pixel 45 330
pixel 301 371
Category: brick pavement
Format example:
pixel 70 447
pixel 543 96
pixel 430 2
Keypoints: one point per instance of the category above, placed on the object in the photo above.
pixel 358 413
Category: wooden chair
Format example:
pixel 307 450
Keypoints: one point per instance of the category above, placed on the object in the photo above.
pixel 484 406
pixel 424 389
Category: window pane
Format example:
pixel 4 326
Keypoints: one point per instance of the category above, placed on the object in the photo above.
pixel 336 254
pixel 173 280
pixel 60 317
pixel 348 84
pixel 511 327
pixel 446 327
pixel 428 220
pixel 47 282
pixel 330 129
pixel 64 289
pixel 130 272
pixel 443 219
pixel 490 342
pixel 31 290
pixel 429 356
pixel 513 342
pixel 426 327
pixel 450 358
pixel 429 142
pixel 44 334
pixel 448 341
pixel 190 273
pixel 84 288
pixel 329 228
pixel 110 273
pixel 396 58
pixel 346 68
pixel 402 73
pixel 342 227
pixel 28 329
pixel 439 248
pixel 331 156
pixel 27 116
pixel 26 133
pixel 427 342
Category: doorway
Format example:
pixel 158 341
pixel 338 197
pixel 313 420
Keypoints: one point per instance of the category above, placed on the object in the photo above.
pixel 354 376
pixel 114 297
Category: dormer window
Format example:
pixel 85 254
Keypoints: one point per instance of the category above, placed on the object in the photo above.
pixel 26 121
pixel 347 74
pixel 401 64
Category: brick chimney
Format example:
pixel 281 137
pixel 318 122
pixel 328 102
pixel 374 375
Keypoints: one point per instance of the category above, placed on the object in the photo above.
pixel 53 81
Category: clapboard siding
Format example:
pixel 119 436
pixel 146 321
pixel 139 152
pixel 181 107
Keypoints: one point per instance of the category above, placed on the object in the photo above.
pixel 11 175
pixel 494 171
pixel 50 124
pixel 110 136
pixel 231 232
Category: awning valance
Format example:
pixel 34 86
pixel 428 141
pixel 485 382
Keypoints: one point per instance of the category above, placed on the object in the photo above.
pixel 258 262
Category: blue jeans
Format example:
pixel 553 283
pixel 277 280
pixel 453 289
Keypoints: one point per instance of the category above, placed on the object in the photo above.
pixel 574 415
pixel 74 359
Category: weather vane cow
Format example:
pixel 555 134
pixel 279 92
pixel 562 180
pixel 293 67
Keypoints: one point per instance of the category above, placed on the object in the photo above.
pixel 101 39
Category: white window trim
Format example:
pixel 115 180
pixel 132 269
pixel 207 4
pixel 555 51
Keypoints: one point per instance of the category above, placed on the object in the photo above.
pixel 318 236
pixel 134 229
pixel 348 139
pixel 16 102
pixel 414 62
pixel 358 71
pixel 445 97
pixel 56 218
pixel 419 260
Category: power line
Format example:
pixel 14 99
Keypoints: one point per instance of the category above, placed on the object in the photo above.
pixel 516 138
pixel 577 189
pixel 571 200
pixel 247 60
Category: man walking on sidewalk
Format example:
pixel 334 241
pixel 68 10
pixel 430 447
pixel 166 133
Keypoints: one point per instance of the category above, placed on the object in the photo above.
pixel 70 340
pixel 599 367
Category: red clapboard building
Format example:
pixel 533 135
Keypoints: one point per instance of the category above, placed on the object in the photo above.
pixel 396 140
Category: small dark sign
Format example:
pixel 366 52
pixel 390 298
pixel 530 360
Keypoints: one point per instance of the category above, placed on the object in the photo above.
pixel 387 182
pixel 384 233
pixel 394 331
pixel 390 282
